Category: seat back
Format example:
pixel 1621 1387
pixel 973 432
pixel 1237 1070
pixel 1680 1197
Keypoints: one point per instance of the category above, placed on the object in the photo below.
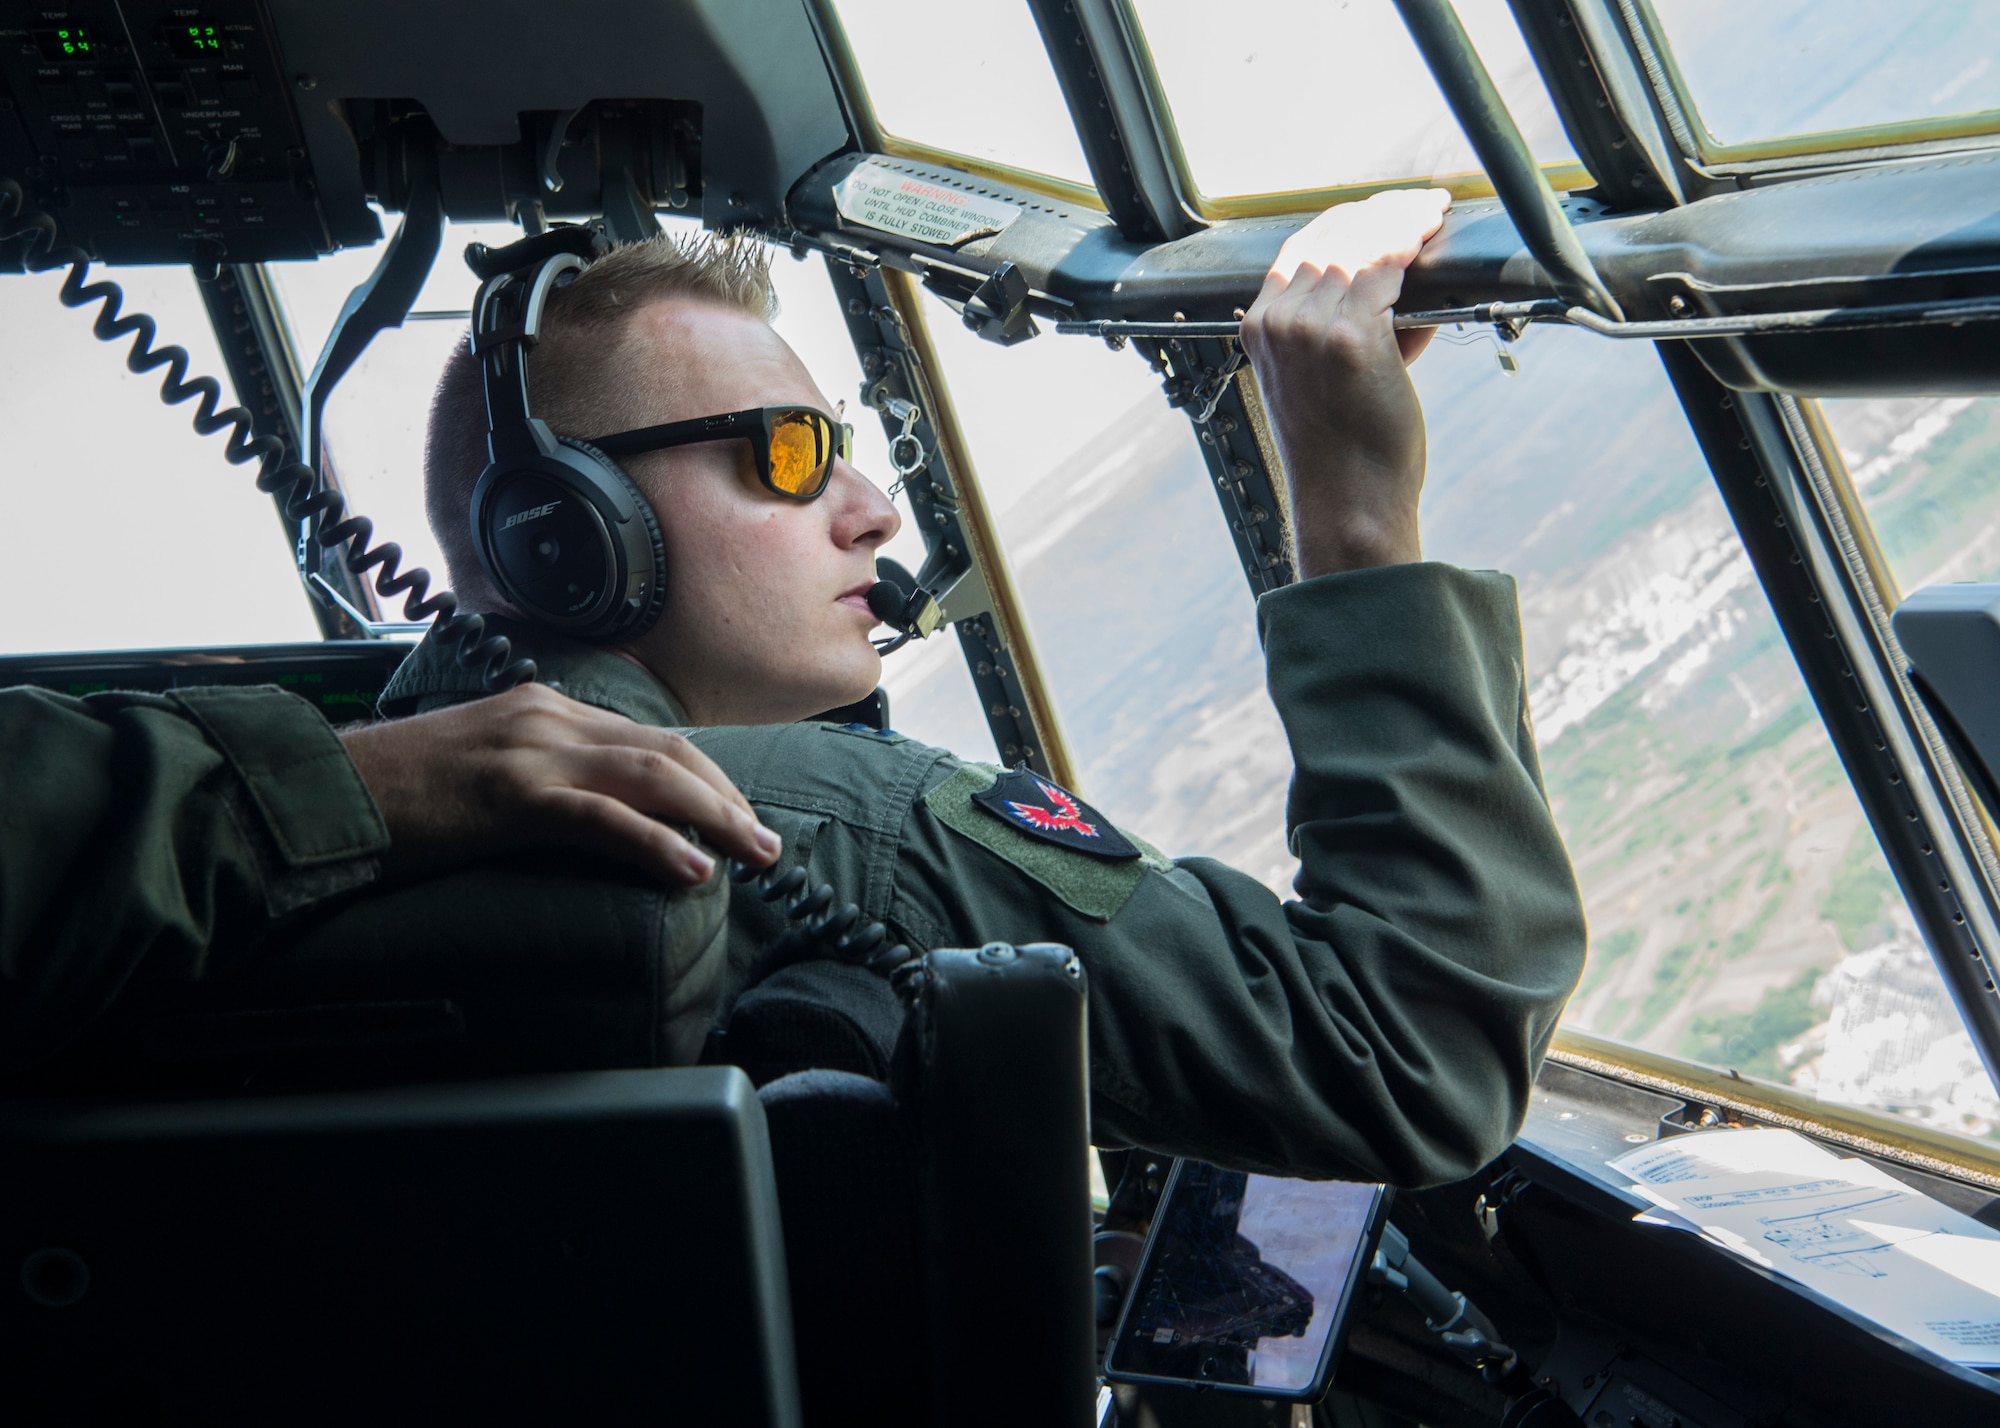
pixel 601 1247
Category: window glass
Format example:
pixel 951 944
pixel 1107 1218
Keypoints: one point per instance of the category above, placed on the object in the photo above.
pixel 375 417
pixel 1292 96
pixel 124 528
pixel 1804 66
pixel 972 77
pixel 1927 470
pixel 1740 910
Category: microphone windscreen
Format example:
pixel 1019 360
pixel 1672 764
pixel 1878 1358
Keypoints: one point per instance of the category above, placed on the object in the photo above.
pixel 889 602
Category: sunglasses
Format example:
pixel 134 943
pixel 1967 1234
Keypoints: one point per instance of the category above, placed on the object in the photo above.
pixel 795 446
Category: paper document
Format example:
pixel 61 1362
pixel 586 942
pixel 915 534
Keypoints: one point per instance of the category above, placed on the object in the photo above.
pixel 1848 1230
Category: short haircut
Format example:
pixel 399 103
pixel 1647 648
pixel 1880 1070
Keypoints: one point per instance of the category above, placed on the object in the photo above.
pixel 572 371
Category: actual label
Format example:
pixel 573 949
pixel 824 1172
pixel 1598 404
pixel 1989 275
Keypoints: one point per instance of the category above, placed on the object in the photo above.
pixel 877 196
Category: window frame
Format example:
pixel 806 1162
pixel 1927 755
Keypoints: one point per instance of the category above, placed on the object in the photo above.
pixel 1869 140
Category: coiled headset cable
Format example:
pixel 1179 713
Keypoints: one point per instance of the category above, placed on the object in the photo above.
pixel 303 496
pixel 840 933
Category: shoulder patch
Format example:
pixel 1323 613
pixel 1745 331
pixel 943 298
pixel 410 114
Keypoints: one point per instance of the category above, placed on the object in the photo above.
pixel 1042 810
pixel 1096 887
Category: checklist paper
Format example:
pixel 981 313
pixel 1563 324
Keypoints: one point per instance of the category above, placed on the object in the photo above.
pixel 1842 1227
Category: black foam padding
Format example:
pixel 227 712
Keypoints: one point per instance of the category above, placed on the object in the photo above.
pixel 847 1159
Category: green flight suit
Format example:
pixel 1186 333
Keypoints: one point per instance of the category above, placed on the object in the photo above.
pixel 151 842
pixel 1386 1026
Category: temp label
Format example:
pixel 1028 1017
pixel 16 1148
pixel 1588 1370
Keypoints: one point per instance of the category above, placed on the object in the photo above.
pixel 877 196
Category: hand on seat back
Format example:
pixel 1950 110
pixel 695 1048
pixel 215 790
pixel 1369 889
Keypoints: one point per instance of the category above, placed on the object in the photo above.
pixel 1332 371
pixel 533 768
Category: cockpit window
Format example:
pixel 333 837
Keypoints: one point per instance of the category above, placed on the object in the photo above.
pixel 968 78
pixel 1927 472
pixel 124 528
pixel 1741 913
pixel 376 417
pixel 1788 68
pixel 1288 96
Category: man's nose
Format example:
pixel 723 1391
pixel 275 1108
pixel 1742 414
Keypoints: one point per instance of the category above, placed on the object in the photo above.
pixel 865 514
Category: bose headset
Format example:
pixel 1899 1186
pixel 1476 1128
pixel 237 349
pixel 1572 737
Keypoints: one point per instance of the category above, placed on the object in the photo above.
pixel 563 533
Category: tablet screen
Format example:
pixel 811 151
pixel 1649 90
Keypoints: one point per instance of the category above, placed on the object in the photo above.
pixel 1246 1281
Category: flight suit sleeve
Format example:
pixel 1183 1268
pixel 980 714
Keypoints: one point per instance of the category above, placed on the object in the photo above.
pixel 142 835
pixel 1389 1023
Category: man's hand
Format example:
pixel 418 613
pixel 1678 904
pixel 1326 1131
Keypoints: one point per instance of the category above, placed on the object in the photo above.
pixel 1332 371
pixel 531 768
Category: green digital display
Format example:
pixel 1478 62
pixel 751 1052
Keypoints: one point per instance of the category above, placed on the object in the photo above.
pixel 66 45
pixel 191 40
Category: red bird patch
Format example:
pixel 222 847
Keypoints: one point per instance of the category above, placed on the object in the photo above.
pixel 1053 814
pixel 1067 814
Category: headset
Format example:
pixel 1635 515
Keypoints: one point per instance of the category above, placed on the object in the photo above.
pixel 562 531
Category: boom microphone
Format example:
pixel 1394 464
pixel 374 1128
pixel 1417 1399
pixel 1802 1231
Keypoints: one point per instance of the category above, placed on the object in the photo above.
pixel 887 600
pixel 890 598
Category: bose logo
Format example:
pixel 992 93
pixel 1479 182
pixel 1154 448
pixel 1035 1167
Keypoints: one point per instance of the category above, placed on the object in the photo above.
pixel 533 513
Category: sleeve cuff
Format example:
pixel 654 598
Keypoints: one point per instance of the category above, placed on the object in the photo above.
pixel 1390 602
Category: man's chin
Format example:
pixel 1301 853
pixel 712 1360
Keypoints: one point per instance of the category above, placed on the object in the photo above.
pixel 851 682
pixel 861 683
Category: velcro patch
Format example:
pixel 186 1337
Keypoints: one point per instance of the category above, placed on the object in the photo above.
pixel 1043 810
pixel 1095 887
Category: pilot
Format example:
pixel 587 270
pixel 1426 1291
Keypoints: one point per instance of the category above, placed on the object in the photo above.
pixel 1385 1025
pixel 150 842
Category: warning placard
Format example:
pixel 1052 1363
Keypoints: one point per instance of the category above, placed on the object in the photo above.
pixel 876 196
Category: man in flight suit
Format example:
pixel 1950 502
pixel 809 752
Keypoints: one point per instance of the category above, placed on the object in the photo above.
pixel 1389 1023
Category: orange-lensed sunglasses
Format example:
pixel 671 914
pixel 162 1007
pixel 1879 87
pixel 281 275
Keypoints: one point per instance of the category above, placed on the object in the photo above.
pixel 795 446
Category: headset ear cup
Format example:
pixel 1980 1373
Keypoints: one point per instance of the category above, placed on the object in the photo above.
pixel 656 574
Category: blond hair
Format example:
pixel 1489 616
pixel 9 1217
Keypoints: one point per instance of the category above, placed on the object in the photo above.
pixel 572 372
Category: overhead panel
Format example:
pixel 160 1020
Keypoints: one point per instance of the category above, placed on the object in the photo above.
pixel 492 73
pixel 1786 68
pixel 157 132
pixel 970 77
pixel 1275 95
